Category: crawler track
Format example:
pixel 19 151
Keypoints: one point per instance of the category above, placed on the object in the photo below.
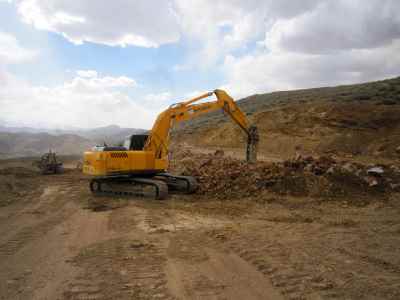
pixel 185 184
pixel 142 187
pixel 132 186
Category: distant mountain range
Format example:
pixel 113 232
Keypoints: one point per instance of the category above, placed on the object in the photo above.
pixel 27 141
pixel 111 133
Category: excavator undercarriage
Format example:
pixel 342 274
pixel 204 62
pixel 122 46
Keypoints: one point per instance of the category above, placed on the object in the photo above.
pixel 156 187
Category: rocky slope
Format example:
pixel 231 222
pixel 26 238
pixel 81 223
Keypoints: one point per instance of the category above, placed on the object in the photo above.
pixel 355 120
pixel 25 141
pixel 34 144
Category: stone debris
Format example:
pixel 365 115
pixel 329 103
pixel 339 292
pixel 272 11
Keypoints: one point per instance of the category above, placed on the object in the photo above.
pixel 224 177
pixel 371 181
pixel 395 186
pixel 219 153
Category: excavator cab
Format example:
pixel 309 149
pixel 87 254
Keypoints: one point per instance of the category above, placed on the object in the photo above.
pixel 135 142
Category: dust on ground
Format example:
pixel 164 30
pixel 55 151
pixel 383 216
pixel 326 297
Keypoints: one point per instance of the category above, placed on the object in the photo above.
pixel 277 237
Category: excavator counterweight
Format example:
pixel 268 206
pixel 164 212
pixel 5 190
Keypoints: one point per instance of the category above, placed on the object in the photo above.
pixel 140 166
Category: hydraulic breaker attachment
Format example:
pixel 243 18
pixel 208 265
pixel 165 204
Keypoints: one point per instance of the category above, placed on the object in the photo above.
pixel 252 144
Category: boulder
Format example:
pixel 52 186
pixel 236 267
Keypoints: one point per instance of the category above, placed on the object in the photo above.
pixel 371 181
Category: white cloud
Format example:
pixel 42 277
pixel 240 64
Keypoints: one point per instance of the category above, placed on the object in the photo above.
pixel 87 73
pixel 333 42
pixel 159 99
pixel 150 23
pixel 337 26
pixel 219 28
pixel 93 82
pixel 81 102
pixel 293 44
pixel 11 52
pixel 260 45
pixel 146 23
pixel 283 70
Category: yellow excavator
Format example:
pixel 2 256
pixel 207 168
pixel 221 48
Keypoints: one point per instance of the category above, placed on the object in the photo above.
pixel 139 167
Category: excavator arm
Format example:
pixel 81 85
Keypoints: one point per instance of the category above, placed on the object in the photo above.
pixel 159 137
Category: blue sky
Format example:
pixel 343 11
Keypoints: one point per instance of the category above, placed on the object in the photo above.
pixel 153 66
pixel 88 63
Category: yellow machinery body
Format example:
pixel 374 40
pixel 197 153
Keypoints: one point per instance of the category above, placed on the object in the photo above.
pixel 144 158
pixel 105 163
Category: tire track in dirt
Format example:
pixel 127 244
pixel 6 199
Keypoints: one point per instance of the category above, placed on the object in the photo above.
pixel 35 259
pixel 274 260
pixel 120 269
pixel 30 233
pixel 164 254
pixel 198 270
pixel 195 266
pixel 79 231
pixel 130 265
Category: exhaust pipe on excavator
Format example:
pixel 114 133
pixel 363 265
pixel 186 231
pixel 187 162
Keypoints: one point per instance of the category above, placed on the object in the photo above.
pixel 252 144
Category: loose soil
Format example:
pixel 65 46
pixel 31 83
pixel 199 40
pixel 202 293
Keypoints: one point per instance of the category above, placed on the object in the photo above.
pixel 57 241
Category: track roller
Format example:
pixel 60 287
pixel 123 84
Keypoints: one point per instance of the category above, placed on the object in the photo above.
pixel 128 186
pixel 95 186
pixel 186 184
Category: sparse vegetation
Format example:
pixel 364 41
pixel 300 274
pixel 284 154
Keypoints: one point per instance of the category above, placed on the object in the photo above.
pixel 362 120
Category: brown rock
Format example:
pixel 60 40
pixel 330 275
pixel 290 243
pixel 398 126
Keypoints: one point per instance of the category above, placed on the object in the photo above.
pixel 371 181
pixel 309 168
pixel 349 167
pixel 219 153
pixel 331 170
pixel 395 187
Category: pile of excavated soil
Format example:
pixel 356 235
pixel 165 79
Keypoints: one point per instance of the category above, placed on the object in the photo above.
pixel 321 177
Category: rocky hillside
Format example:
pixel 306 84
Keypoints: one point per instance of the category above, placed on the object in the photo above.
pixel 112 134
pixel 354 120
pixel 34 144
pixel 26 141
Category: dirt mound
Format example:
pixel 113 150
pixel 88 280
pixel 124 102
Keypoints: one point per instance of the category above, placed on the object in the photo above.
pixel 321 177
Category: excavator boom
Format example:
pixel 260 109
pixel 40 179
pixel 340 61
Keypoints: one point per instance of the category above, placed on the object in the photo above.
pixel 159 137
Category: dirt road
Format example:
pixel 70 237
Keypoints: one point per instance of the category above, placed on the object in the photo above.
pixel 55 245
